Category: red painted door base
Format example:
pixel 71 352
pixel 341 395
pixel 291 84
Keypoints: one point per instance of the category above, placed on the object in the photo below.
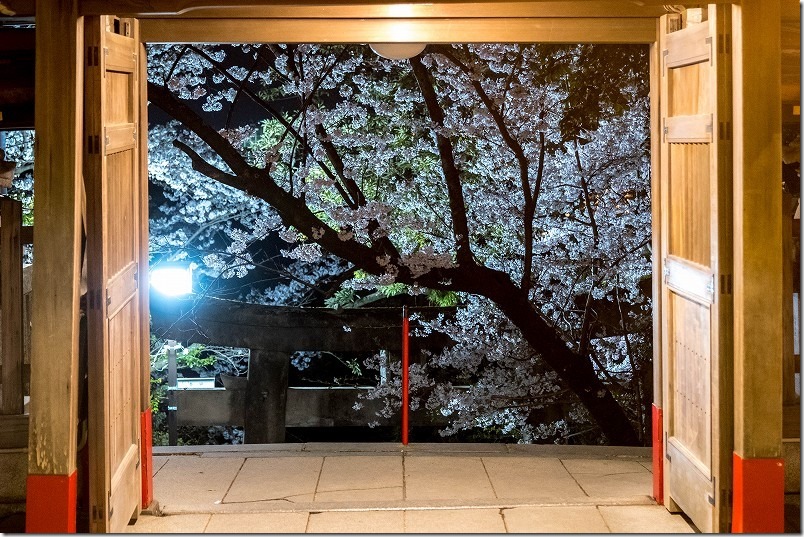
pixel 758 496
pixel 146 458
pixel 658 456
pixel 50 503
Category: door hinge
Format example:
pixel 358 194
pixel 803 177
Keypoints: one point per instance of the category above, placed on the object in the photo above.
pixel 708 41
pixel 92 300
pixel 724 43
pixel 93 56
pixel 724 130
pixel 93 144
pixel 710 497
pixel 725 284
pixel 138 464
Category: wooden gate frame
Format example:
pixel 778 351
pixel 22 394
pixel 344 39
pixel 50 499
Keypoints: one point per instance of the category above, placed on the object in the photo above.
pixel 51 492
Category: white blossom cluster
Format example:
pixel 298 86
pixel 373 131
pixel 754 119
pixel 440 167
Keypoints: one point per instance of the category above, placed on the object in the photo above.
pixel 583 167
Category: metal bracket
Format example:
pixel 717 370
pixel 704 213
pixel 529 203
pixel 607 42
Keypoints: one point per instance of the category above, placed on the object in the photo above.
pixel 710 287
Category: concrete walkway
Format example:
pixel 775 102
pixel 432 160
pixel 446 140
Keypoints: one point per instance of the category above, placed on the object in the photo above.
pixel 423 488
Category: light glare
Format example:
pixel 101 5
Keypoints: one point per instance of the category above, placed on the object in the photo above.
pixel 172 281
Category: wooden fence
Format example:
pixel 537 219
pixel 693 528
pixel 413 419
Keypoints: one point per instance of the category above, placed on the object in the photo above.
pixel 15 326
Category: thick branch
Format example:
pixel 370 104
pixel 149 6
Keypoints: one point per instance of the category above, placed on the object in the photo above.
pixel 523 163
pixel 457 205
pixel 587 198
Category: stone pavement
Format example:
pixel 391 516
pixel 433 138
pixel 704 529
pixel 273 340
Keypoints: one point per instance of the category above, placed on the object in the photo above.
pixel 421 488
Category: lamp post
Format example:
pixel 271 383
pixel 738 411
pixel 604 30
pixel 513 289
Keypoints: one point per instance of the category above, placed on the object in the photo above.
pixel 172 281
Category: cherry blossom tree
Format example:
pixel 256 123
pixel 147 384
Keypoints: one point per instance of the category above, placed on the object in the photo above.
pixel 514 176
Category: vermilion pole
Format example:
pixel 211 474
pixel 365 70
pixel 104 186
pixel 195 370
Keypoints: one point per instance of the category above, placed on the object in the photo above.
pixel 405 381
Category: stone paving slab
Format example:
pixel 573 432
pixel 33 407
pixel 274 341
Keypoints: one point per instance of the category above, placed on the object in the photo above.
pixel 158 463
pixel 454 521
pixel 610 477
pixel 194 482
pixel 556 519
pixel 381 488
pixel 538 479
pixel 274 506
pixel 274 479
pixel 356 522
pixel 642 454
pixel 258 523
pixel 356 478
pixel 188 523
pixel 429 477
pixel 643 519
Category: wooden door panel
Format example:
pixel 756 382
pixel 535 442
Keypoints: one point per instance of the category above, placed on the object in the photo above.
pixel 695 249
pixel 689 46
pixel 691 364
pixel 112 176
pixel 689 202
pixel 121 238
pixel 694 84
pixel 691 492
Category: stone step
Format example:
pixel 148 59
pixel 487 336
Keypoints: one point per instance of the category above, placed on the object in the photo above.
pixel 14 469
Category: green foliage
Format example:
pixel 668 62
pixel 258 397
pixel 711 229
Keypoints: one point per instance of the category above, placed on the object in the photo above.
pixel 27 200
pixel 341 298
pixel 443 299
pixel 393 290
pixel 193 357
pixel 354 366
pixel 157 393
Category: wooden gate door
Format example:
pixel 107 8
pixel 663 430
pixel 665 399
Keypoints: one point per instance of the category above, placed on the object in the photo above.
pixel 696 212
pixel 112 178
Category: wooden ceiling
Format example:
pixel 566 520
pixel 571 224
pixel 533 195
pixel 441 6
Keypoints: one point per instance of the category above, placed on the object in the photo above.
pixel 365 8
pixel 628 19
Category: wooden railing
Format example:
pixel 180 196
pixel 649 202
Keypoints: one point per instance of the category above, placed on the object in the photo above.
pixel 15 296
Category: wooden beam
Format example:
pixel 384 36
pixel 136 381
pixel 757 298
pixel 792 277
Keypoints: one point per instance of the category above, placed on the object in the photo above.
pixel 51 498
pixel 189 8
pixel 527 30
pixel 11 306
pixel 285 329
pixel 57 238
pixel 655 194
pixel 373 10
pixel 17 8
pixel 758 286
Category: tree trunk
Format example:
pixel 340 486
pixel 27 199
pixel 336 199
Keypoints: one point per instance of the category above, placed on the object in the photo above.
pixel 574 370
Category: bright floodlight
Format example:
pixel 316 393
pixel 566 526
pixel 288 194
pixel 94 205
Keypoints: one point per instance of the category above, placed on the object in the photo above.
pixel 173 281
